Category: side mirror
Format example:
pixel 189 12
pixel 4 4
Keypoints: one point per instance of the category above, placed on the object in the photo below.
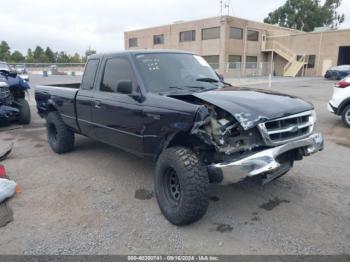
pixel 125 87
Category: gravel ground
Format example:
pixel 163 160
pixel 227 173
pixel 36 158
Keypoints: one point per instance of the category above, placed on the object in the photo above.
pixel 99 200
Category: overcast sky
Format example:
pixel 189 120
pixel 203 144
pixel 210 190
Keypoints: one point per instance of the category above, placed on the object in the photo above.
pixel 75 25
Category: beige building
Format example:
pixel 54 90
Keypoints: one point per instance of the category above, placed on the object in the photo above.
pixel 239 47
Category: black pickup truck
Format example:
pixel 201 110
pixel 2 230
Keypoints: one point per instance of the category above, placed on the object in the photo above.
pixel 172 107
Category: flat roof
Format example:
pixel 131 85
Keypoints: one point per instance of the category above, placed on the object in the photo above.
pixel 140 51
pixel 313 32
pixel 212 18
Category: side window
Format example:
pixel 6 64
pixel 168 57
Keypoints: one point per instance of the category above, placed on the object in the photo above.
pixel 89 74
pixel 116 70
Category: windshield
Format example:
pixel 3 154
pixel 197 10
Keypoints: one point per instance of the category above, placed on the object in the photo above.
pixel 176 72
pixel 343 67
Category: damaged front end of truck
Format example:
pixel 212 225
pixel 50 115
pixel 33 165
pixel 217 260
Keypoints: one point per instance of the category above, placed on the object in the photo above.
pixel 13 106
pixel 236 145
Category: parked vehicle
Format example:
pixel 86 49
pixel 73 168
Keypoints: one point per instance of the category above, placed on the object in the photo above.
pixel 22 72
pixel 171 107
pixel 338 72
pixel 340 102
pixel 13 106
pixel 21 69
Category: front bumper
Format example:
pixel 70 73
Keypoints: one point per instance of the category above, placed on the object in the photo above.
pixel 264 161
pixel 332 108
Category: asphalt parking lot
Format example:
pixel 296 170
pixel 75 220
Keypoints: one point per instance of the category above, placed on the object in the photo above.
pixel 99 200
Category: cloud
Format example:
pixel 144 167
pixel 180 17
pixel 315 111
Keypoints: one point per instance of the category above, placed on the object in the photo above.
pixel 73 26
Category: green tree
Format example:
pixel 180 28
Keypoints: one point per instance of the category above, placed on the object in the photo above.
pixel 305 15
pixel 5 53
pixel 51 56
pixel 17 57
pixel 39 54
pixel 329 11
pixel 62 57
pixel 29 56
pixel 75 58
pixel 88 52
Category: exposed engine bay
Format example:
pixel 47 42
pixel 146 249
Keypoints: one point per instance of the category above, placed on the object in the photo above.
pixel 219 129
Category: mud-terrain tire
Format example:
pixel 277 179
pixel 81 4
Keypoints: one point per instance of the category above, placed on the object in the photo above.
pixel 346 116
pixel 24 112
pixel 181 186
pixel 59 136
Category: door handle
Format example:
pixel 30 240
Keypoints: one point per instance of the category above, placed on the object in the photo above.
pixel 98 103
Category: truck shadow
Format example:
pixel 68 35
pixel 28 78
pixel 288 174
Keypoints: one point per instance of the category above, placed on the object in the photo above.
pixel 239 200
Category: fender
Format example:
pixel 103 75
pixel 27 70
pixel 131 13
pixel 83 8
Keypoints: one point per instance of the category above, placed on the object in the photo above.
pixel 342 106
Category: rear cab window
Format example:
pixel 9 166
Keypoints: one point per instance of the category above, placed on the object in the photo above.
pixel 90 74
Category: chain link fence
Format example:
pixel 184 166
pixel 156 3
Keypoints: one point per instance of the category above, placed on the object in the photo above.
pixel 52 68
pixel 245 70
pixel 236 71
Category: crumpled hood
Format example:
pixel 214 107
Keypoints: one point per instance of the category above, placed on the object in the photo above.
pixel 252 106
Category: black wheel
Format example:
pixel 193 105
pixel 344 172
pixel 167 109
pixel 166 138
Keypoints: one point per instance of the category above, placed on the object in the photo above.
pixel 60 137
pixel 24 112
pixel 181 185
pixel 346 116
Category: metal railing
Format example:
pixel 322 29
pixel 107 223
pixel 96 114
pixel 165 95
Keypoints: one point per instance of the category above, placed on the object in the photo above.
pixel 276 46
pixel 53 68
pixel 249 69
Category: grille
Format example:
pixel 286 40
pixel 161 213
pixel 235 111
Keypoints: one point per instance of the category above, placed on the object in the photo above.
pixel 287 129
pixel 4 92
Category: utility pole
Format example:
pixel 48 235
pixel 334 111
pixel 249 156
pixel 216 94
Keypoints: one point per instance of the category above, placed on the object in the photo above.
pixel 224 8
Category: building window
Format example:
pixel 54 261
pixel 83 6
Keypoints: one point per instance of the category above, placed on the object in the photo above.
pixel 188 36
pixel 213 60
pixel 133 42
pixel 234 61
pixel 311 61
pixel 158 39
pixel 211 33
pixel 253 35
pixel 236 33
pixel 251 62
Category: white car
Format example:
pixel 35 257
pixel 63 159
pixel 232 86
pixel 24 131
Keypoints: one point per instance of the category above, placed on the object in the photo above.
pixel 340 102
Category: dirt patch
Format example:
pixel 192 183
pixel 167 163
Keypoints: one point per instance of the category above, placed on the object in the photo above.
pixel 8 138
pixel 223 228
pixel 214 198
pixel 143 194
pixel 255 218
pixel 343 143
pixel 272 203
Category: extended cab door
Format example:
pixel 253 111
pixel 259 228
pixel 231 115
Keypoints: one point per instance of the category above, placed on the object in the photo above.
pixel 84 99
pixel 117 117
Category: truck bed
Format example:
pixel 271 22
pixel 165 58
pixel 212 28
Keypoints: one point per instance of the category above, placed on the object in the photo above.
pixel 60 96
pixel 68 85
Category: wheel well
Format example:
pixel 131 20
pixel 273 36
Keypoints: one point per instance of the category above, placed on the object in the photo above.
pixel 180 139
pixel 343 105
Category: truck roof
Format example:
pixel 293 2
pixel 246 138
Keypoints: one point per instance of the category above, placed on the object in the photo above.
pixel 140 51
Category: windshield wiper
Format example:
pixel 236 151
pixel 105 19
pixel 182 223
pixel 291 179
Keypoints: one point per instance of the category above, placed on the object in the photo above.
pixel 207 79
